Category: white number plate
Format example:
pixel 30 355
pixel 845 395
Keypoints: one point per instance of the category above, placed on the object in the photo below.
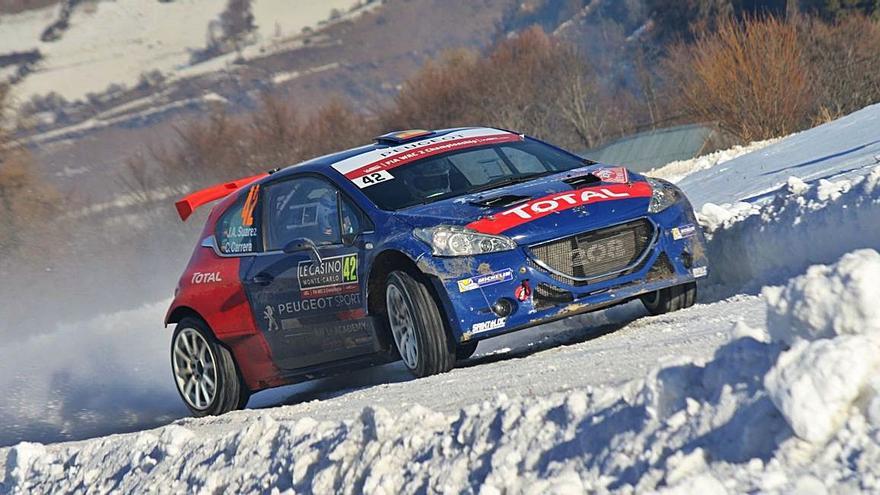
pixel 372 179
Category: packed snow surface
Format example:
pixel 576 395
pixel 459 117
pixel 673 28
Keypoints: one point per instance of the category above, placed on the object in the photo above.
pixel 755 416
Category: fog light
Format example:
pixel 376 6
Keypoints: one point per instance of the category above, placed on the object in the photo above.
pixel 502 307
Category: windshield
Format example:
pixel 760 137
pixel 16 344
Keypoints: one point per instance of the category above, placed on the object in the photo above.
pixel 468 171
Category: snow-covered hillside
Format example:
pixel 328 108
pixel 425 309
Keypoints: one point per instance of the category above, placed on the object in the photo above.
pixel 769 385
pixel 146 36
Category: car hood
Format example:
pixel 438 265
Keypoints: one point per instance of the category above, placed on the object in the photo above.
pixel 545 208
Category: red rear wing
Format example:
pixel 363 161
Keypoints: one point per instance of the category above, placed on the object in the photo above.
pixel 186 206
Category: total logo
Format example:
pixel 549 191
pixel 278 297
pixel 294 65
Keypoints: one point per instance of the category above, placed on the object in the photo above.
pixel 553 203
pixel 206 278
pixel 549 205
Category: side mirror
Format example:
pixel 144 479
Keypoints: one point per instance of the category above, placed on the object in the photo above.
pixel 303 244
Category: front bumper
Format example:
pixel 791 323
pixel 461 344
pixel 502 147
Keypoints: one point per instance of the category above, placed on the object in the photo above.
pixel 674 256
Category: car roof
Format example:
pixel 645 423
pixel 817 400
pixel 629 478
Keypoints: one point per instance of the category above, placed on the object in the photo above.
pixel 324 163
pixel 230 189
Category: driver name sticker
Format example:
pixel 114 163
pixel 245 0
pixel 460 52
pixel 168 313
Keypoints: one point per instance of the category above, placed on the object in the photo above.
pixel 372 179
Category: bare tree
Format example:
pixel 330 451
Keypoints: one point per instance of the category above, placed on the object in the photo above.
pixel 27 203
pixel 749 76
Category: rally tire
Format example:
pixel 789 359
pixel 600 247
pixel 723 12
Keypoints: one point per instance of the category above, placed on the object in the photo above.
pixel 465 351
pixel 198 360
pixel 670 299
pixel 430 351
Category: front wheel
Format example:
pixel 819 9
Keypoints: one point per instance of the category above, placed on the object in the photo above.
pixel 670 299
pixel 417 326
pixel 204 371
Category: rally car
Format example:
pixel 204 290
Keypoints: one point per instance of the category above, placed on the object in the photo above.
pixel 415 248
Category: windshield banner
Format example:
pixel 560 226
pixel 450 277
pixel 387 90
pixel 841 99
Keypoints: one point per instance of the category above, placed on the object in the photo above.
pixel 373 167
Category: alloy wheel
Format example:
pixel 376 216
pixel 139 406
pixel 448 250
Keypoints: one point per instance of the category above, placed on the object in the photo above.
pixel 195 368
pixel 403 327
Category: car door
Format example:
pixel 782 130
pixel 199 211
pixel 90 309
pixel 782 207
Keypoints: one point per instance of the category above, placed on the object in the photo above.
pixel 308 289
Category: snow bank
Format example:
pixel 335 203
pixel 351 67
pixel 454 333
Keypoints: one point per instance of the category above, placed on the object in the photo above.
pixel 755 417
pixel 89 378
pixel 831 318
pixel 827 301
pixel 754 245
pixel 585 440
pixel 815 384
pixel 678 170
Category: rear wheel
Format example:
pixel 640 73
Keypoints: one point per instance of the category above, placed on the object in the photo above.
pixel 205 374
pixel 670 299
pixel 417 326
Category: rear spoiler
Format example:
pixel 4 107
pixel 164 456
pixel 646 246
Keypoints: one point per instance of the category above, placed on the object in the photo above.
pixel 186 206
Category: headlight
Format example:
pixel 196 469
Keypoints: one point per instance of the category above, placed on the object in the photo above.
pixel 663 195
pixel 450 240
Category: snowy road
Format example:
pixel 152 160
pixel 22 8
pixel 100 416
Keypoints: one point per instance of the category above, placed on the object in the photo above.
pixel 600 351
pixel 604 349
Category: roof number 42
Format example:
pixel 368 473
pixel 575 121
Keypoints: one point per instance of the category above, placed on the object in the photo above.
pixel 372 179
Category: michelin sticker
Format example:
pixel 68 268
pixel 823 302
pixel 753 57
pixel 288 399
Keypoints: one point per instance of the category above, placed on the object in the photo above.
pixel 486 280
pixel 679 233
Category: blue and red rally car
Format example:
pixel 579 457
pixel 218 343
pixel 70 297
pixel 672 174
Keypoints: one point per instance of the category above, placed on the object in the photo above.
pixel 415 247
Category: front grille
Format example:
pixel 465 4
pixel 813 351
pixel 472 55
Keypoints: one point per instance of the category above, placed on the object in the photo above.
pixel 596 254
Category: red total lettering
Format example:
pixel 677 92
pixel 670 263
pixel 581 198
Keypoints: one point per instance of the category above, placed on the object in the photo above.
pixel 553 203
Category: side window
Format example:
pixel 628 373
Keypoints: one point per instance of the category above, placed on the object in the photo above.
pixel 353 220
pixel 238 230
pixel 525 163
pixel 302 208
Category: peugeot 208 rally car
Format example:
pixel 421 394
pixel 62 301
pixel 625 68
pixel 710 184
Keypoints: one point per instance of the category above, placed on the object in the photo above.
pixel 415 248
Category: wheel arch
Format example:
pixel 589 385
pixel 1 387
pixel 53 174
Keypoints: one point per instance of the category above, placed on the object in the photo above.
pixel 179 313
pixel 383 264
pixel 175 315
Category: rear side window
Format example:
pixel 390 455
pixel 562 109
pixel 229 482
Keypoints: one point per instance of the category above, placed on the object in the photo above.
pixel 238 230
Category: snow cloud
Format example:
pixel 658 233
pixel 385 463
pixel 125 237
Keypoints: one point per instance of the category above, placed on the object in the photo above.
pixel 88 378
